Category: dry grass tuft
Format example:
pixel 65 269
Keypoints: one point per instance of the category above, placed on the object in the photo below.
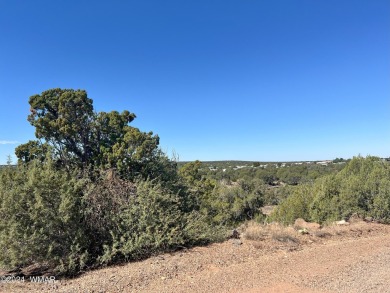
pixel 258 232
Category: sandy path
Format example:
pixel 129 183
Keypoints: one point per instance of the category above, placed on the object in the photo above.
pixel 358 261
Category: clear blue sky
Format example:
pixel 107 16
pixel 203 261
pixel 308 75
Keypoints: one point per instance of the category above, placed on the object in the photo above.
pixel 216 80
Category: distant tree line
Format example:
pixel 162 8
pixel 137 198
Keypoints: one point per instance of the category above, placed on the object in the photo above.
pixel 361 188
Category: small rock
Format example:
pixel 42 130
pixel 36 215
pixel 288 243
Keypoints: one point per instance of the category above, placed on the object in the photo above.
pixel 342 223
pixel 303 231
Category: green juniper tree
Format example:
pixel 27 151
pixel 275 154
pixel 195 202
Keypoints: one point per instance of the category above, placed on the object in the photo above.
pixel 68 129
pixel 91 190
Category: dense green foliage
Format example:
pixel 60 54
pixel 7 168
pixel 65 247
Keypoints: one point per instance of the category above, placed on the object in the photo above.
pixel 362 188
pixel 51 216
pixel 67 128
pixel 93 190
pixel 151 222
pixel 222 203
pixel 40 216
pixel 229 205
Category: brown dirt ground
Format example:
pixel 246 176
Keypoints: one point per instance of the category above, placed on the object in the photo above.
pixel 352 258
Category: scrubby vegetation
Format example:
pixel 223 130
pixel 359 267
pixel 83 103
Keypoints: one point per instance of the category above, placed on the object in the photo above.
pixel 315 191
pixel 41 217
pixel 93 190
pixel 221 202
pixel 362 188
pixel 271 173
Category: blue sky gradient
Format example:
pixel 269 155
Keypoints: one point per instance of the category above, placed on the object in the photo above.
pixel 216 80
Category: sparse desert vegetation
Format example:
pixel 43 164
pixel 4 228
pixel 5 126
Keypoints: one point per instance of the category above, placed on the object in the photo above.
pixel 195 146
pixel 93 191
